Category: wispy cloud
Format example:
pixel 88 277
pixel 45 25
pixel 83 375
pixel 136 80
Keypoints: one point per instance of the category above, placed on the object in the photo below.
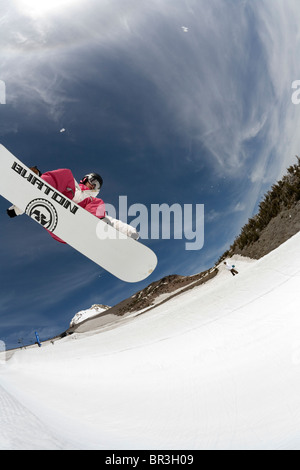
pixel 219 84
pixel 41 289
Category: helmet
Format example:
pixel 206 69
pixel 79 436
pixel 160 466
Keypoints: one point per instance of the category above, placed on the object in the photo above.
pixel 93 179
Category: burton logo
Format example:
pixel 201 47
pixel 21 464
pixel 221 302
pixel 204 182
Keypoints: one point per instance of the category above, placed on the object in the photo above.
pixel 45 188
pixel 43 212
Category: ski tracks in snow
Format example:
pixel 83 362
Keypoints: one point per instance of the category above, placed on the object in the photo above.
pixel 21 429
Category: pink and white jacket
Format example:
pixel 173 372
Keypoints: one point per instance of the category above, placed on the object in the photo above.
pixel 63 180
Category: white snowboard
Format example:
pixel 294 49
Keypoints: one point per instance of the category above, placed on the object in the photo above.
pixel 123 257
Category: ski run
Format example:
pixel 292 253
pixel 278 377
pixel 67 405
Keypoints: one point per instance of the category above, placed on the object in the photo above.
pixel 217 367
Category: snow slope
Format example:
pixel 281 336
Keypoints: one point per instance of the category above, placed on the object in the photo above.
pixel 217 367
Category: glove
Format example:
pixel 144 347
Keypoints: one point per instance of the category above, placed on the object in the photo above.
pixel 11 213
pixel 122 227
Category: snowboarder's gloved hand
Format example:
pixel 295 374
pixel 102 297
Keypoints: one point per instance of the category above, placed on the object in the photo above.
pixel 11 213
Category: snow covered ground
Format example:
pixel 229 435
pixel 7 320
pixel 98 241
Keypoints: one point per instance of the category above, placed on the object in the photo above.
pixel 217 367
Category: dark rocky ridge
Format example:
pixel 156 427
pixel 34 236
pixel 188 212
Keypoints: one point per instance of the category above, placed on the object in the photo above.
pixel 145 299
pixel 279 230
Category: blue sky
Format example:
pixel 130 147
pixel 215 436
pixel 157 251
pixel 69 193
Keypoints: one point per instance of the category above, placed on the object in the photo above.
pixel 171 101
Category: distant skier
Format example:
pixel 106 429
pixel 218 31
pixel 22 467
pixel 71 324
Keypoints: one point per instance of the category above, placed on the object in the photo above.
pixel 84 194
pixel 230 268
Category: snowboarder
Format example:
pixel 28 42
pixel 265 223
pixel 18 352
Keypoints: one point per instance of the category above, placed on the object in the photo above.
pixel 230 268
pixel 84 194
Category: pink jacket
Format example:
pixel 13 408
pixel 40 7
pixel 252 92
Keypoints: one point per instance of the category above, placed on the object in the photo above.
pixel 63 180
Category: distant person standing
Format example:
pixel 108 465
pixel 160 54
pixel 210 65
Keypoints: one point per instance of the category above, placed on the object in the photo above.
pixel 230 268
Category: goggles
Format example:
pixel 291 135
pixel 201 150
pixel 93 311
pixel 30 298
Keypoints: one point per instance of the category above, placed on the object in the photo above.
pixel 95 183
